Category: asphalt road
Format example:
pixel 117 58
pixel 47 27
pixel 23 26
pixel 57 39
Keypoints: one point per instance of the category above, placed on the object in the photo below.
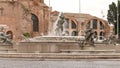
pixel 21 63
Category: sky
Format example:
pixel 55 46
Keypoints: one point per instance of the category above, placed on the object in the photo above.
pixel 94 7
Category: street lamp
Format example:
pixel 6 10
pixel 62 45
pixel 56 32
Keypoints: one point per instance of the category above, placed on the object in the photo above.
pixel 79 12
pixel 79 6
pixel 49 25
pixel 118 19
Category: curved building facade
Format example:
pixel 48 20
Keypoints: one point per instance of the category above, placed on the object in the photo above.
pixel 76 24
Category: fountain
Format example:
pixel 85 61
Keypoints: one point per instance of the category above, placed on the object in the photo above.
pixel 59 45
pixel 53 41
pixel 58 41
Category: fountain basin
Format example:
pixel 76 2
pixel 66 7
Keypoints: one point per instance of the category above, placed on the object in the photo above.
pixel 55 39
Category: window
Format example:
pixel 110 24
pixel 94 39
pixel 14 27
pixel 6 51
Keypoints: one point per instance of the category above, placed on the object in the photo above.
pixel 95 35
pixel 66 23
pixel 101 35
pixel 73 25
pixel 88 25
pixel 1 10
pixel 35 23
pixel 74 33
pixel 101 25
pixel 10 33
pixel 94 24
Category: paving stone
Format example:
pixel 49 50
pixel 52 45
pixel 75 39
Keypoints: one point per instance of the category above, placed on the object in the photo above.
pixel 7 63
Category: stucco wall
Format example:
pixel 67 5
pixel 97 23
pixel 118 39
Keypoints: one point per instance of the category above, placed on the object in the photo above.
pixel 14 15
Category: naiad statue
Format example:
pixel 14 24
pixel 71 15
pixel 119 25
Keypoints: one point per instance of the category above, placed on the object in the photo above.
pixel 111 39
pixel 5 38
pixel 89 38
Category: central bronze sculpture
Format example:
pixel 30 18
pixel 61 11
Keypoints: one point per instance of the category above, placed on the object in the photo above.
pixel 59 25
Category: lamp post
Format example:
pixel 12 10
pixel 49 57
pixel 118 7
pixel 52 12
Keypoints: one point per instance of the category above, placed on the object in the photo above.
pixel 49 25
pixel 79 12
pixel 79 6
pixel 118 19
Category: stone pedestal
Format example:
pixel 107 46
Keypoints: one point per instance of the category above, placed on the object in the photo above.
pixel 89 48
pixel 54 49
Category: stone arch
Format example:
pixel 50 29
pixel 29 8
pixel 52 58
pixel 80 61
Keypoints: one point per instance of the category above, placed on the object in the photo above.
pixel 73 24
pixel 68 25
pixel 10 33
pixel 35 22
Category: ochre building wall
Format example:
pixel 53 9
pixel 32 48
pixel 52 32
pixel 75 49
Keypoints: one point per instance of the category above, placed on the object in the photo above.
pixel 15 16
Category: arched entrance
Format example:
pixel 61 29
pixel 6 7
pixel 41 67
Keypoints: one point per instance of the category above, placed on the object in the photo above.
pixel 74 33
pixel 74 26
pixel 10 33
pixel 35 22
pixel 101 35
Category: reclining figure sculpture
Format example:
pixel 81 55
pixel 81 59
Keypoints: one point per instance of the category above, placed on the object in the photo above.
pixel 89 38
pixel 111 39
pixel 5 38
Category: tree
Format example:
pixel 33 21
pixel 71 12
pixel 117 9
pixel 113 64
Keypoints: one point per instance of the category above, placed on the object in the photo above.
pixel 112 15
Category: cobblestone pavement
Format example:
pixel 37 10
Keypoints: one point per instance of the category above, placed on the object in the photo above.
pixel 7 63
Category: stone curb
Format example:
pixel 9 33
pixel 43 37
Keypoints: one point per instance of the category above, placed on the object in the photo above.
pixel 44 56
